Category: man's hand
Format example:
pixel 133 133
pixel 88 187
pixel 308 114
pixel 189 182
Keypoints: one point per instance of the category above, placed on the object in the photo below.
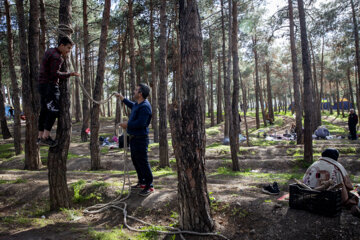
pixel 75 74
pixel 119 96
pixel 123 125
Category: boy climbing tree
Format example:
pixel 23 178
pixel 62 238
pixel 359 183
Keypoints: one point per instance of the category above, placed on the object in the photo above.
pixel 51 72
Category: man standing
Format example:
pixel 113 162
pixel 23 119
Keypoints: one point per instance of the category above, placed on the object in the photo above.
pixel 137 128
pixel 352 122
pixel 49 76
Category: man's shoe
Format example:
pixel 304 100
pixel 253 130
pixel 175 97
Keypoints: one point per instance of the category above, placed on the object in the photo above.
pixel 146 191
pixel 38 141
pixel 138 186
pixel 48 142
pixel 270 190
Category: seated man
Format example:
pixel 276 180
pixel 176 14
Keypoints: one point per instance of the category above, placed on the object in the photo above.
pixel 322 132
pixel 326 172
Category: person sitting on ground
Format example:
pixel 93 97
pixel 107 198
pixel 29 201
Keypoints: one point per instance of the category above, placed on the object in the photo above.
pixel 352 122
pixel 51 71
pixel 322 132
pixel 293 129
pixel 328 172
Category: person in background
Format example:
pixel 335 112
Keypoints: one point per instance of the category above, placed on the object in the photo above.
pixel 352 122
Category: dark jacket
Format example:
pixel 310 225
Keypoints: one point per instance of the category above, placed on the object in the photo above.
pixel 140 117
pixel 353 120
pixel 50 67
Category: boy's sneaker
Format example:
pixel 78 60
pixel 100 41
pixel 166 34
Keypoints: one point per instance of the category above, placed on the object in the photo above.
pixel 270 190
pixel 48 142
pixel 146 191
pixel 138 186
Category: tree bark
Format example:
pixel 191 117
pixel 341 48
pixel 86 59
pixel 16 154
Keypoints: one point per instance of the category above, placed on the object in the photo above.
pixel 235 125
pixel 42 43
pixel 87 85
pixel 163 142
pixel 308 151
pixel 30 81
pixel 121 85
pixel 296 78
pixel 227 107
pixel 188 126
pixel 154 102
pixel 4 127
pixel 14 84
pixel 357 55
pixel 211 92
pixel 219 117
pixel 257 86
pixel 57 157
pixel 269 91
pixel 348 74
pixel 131 45
pixel 99 82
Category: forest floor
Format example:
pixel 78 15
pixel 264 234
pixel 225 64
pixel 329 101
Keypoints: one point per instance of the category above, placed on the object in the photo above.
pixel 239 208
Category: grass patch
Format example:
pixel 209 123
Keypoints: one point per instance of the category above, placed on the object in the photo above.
pixel 151 232
pixel 72 214
pixel 264 177
pixel 114 234
pixel 212 131
pixel 348 150
pixel 334 129
pixel 153 145
pixel 163 172
pixel 104 150
pixel 218 147
pixel 264 142
pixel 17 181
pixel 24 222
pixel 7 151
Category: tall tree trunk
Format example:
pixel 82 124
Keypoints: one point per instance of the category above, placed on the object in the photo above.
pixel 257 86
pixel 269 91
pixel 121 85
pixel 262 102
pixel 154 102
pixel 296 78
pixel 4 128
pixel 322 74
pixel 235 125
pixel 59 194
pixel 211 92
pixel 227 106
pixel 357 55
pixel 187 118
pixel 42 43
pixel 95 110
pixel 131 45
pixel 348 71
pixel 316 95
pixel 308 151
pixel 30 80
pixel 77 86
pixel 87 83
pixel 219 117
pixel 163 143
pixel 14 84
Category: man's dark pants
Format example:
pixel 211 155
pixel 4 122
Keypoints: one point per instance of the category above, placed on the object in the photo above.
pixel 49 100
pixel 353 132
pixel 139 157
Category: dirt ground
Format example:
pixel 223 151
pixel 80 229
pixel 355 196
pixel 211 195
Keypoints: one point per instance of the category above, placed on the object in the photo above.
pixel 239 208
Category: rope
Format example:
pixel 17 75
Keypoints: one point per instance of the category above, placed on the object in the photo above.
pixel 98 208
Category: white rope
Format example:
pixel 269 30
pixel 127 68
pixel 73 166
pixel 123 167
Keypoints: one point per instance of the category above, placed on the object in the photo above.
pixel 98 208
